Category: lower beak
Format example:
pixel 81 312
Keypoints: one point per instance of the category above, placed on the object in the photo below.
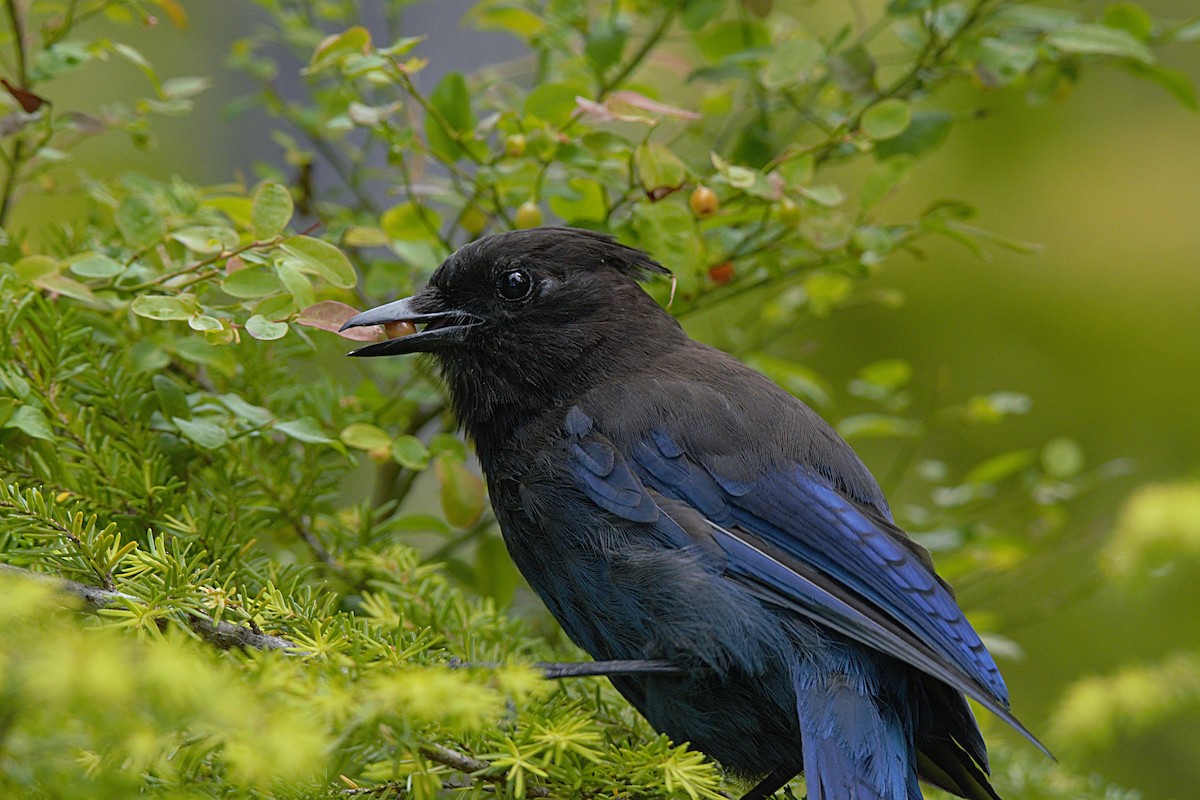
pixel 442 328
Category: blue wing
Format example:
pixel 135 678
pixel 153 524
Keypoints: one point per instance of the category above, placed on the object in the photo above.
pixel 796 542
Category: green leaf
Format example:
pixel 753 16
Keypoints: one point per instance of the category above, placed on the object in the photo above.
pixel 1092 39
pixel 404 222
pixel 31 421
pixel 790 62
pixel 999 62
pixel 927 131
pixel 518 21
pixel 164 307
pixel 453 121
pixel 95 265
pixel 277 308
pixel 324 259
pixel 1130 18
pixel 58 283
pixel 1001 467
pixel 658 169
pixel 409 451
pixel 878 426
pixel 495 575
pixel 139 222
pixel 668 229
pixel 171 399
pixel 798 379
pixel 729 37
pixel 203 322
pixel 255 415
pixel 364 436
pixel 1189 32
pixel 30 268
pixel 135 57
pixel 251 282
pixel 853 70
pixel 206 239
pixel 554 102
pixel 447 443
pixel 886 176
pixel 60 58
pixel 887 375
pixel 462 491
pixel 1062 458
pixel 207 434
pixel 7 406
pixel 828 195
pixel 586 201
pixel 260 327
pixel 604 43
pixel 886 119
pixel 184 86
pixel 272 210
pixel 305 429
pixel 334 49
pixel 698 13
pixel 1177 83
pixel 297 284
pixel 991 408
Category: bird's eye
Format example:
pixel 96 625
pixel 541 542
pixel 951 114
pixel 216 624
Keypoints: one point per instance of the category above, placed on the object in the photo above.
pixel 514 285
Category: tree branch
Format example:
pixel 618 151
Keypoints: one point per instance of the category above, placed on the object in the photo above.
pixel 473 767
pixel 225 635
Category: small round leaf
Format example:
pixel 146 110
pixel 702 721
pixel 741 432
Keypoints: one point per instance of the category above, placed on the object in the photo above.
pixel 272 210
pixel 260 327
pixel 886 119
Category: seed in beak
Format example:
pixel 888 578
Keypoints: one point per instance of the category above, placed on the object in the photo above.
pixel 398 330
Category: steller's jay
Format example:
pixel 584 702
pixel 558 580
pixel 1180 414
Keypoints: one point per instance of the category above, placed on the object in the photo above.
pixel 669 504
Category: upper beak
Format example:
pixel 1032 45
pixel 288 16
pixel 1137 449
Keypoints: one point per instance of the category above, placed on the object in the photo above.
pixel 444 327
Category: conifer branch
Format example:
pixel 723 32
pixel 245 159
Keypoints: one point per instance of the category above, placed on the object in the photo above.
pixel 225 635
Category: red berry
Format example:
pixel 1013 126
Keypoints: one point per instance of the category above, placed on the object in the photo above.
pixel 721 273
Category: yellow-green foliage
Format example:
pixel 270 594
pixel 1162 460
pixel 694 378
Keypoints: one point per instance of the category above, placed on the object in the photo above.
pixel 1158 531
pixel 1095 710
pixel 88 706
pixel 1159 526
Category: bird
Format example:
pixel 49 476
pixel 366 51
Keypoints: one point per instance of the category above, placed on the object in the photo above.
pixel 670 505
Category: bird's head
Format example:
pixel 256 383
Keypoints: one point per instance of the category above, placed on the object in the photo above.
pixel 523 321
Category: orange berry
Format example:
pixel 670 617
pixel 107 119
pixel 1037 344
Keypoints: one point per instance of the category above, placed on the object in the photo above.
pixel 704 202
pixel 398 330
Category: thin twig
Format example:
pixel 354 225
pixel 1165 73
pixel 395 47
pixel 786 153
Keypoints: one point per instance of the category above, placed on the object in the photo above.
pixel 18 29
pixel 648 45
pixel 473 766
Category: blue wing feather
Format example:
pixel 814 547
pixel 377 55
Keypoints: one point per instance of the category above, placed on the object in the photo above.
pixel 798 543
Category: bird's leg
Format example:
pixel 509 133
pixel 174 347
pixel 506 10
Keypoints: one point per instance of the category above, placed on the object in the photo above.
pixel 592 668
pixel 771 784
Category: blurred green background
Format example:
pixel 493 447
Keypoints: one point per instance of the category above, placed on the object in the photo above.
pixel 1101 328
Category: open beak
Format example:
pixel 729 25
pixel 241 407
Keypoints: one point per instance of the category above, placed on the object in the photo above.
pixel 441 327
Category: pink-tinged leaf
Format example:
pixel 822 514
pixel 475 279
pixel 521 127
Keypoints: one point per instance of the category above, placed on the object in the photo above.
pixel 592 111
pixel 329 315
pixel 644 103
pixel 617 107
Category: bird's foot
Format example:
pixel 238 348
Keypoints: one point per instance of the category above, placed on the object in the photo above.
pixel 585 669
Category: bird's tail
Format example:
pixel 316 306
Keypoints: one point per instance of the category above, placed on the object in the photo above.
pixel 854 749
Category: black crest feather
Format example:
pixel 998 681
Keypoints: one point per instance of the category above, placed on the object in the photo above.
pixel 575 247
